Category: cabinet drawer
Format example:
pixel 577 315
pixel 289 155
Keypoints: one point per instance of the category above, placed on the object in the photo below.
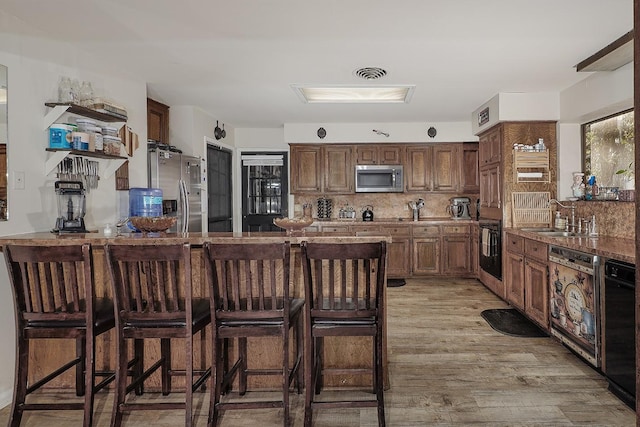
pixel 334 228
pixel 515 243
pixel 535 249
pixel 365 228
pixel 399 230
pixel 455 229
pixel 426 230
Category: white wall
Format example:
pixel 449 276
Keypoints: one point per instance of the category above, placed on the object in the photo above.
pixel 363 132
pixel 33 76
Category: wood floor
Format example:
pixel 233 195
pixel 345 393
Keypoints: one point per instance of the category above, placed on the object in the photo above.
pixel 447 368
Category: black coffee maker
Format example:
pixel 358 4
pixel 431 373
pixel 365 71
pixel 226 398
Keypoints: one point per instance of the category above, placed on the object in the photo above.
pixel 367 213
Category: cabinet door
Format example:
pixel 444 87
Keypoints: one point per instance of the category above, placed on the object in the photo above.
pixel 475 251
pixel 418 171
pixel 490 187
pixel 157 121
pixel 456 255
pixel 306 167
pixel 470 169
pixel 536 292
pixel 515 280
pixel 446 161
pixel 338 169
pixel 366 155
pixel 426 255
pixel 398 259
pixel 490 146
pixel 390 155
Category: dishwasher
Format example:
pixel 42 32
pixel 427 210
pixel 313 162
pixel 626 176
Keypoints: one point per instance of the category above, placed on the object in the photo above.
pixel 619 350
pixel 574 301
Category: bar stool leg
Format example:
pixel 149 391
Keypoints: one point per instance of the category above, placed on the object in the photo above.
pixel 309 381
pixel 89 352
pixel 219 363
pixel 138 369
pixel 165 351
pixel 285 375
pixel 80 367
pixel 22 370
pixel 242 352
pixel 121 382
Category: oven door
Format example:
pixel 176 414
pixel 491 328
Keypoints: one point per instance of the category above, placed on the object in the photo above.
pixel 490 250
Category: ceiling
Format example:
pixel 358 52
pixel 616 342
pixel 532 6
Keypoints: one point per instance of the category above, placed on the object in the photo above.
pixel 238 59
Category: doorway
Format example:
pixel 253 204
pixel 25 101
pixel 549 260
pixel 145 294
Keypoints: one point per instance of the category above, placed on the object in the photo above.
pixel 265 190
pixel 219 178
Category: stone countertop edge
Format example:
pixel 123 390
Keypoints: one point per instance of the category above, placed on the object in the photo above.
pixel 195 239
pixel 604 246
pixel 391 221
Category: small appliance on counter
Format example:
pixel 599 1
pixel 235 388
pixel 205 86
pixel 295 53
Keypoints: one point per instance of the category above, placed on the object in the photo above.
pixel 367 213
pixel 71 207
pixel 459 208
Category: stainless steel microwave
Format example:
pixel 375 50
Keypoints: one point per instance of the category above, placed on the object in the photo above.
pixel 379 179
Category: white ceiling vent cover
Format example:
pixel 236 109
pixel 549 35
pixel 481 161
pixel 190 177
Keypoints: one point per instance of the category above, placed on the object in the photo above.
pixel 370 73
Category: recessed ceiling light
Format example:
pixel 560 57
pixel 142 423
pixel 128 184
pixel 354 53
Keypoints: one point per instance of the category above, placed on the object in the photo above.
pixel 354 94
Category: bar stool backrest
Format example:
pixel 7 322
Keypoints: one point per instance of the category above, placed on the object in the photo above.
pixel 249 280
pixel 51 283
pixel 151 281
pixel 344 280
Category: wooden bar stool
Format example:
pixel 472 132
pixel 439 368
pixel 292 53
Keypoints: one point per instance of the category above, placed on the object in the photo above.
pixel 250 298
pixel 54 299
pixel 344 295
pixel 153 298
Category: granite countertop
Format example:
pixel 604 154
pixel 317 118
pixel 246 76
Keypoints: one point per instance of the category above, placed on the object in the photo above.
pixel 392 221
pixel 195 239
pixel 604 246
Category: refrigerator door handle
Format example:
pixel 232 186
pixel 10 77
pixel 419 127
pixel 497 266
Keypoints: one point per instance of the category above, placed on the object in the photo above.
pixel 184 200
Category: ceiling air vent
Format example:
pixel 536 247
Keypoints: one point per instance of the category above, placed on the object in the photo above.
pixel 370 73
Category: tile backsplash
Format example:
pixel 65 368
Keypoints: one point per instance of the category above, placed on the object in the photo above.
pixel 386 205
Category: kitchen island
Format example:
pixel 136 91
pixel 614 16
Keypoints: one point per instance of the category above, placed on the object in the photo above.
pixel 347 352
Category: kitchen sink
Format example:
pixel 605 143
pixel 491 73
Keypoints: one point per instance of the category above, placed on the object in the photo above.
pixel 557 233
pixel 539 230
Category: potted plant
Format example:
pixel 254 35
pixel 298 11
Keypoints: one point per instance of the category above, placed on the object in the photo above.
pixel 627 175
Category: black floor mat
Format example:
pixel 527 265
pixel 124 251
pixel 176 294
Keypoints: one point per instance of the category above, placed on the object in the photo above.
pixel 395 283
pixel 510 321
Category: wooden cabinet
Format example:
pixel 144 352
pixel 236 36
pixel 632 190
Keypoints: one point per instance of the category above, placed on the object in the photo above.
pixel 306 168
pixel 321 169
pixel 382 154
pixel 526 277
pixel 338 169
pixel 426 255
pixel 490 146
pixel 514 271
pixel 398 251
pixel 470 168
pixel 435 168
pixel 446 167
pixel 157 121
pixel 417 168
pixel 536 280
pixel 441 249
pixel 475 250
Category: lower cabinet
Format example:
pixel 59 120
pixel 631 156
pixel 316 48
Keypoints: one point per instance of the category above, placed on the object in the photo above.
pixel 426 255
pixel 398 251
pixel 527 277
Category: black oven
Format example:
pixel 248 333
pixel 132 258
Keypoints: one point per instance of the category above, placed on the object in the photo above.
pixel 490 250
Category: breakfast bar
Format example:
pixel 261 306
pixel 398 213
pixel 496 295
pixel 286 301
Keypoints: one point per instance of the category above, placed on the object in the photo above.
pixel 349 352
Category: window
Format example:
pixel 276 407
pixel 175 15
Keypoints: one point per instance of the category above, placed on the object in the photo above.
pixel 608 148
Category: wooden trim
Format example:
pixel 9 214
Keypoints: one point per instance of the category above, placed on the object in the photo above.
pixel 611 57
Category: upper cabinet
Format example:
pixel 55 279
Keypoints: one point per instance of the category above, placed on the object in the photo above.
pixel 157 121
pixel 330 168
pixel 379 154
pixel 441 168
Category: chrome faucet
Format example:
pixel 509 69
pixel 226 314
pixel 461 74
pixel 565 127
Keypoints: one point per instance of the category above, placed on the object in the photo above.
pixel 571 226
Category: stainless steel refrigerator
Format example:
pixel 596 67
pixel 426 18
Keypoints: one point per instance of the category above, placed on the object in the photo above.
pixel 179 176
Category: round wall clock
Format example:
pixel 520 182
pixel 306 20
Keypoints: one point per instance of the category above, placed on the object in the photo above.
pixel 322 133
pixel 432 132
